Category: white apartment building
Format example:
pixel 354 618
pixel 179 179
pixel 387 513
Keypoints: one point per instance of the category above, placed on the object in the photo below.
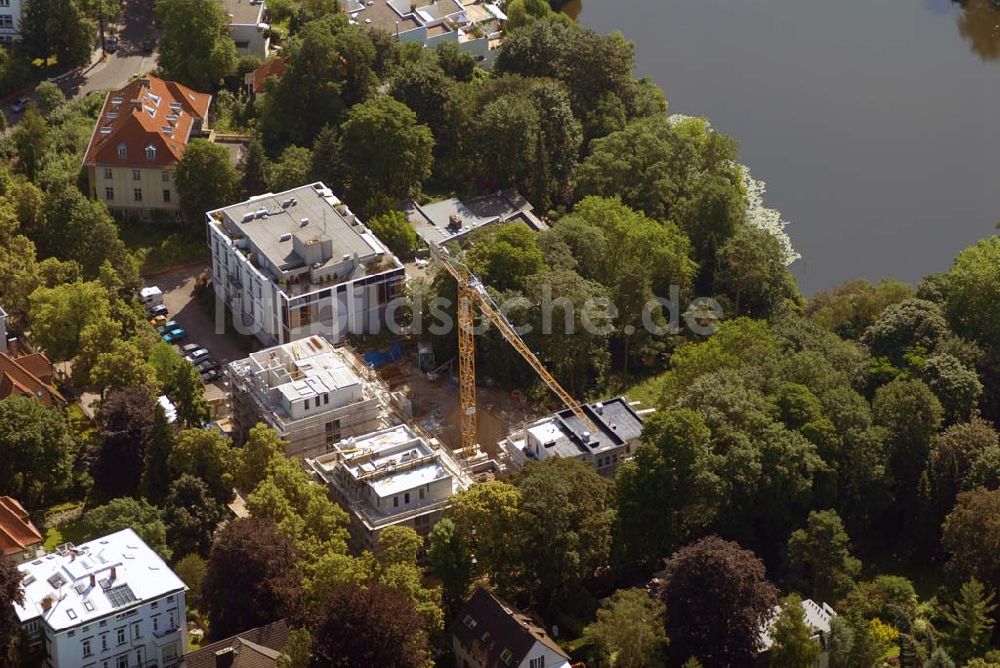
pixel 10 21
pixel 389 477
pixel 311 392
pixel 247 26
pixel 109 603
pixel 299 263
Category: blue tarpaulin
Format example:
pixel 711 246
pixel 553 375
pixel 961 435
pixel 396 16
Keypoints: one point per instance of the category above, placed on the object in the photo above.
pixel 378 358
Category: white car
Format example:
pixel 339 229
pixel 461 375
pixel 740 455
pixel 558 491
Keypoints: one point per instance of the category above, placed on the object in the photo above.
pixel 196 356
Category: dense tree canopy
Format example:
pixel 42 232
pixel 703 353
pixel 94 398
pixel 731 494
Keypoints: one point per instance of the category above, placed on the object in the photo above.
pixel 195 48
pixel 38 451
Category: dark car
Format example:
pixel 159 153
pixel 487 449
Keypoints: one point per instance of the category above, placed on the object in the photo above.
pixel 148 46
pixel 159 309
pixel 211 374
pixel 111 44
pixel 20 104
pixel 207 365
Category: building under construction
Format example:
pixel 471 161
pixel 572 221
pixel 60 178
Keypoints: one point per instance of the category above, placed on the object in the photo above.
pixel 313 393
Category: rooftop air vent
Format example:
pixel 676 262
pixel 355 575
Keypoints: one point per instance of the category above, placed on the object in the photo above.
pixel 260 213
pixel 303 222
pixel 285 237
pixel 247 217
pixel 291 201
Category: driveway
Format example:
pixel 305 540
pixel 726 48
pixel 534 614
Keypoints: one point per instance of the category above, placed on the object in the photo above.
pixel 178 296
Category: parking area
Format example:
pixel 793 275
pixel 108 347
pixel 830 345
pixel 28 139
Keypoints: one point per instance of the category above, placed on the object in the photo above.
pixel 178 288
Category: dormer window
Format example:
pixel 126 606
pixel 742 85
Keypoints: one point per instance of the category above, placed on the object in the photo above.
pixel 150 152
pixel 122 150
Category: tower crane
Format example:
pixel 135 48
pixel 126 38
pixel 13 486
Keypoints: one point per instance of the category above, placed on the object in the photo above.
pixel 472 292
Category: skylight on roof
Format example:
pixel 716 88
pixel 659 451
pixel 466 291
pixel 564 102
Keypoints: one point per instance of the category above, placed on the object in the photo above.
pixel 57 581
pixel 120 596
pixel 106 130
pixel 71 613
pixel 89 606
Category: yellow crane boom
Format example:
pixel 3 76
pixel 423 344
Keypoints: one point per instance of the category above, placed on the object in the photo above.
pixel 471 291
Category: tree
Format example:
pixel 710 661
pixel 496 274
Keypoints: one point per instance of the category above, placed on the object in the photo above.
pixel 393 229
pixel 254 169
pixel 669 491
pixel 59 28
pixel 793 644
pixel 951 465
pixel 81 229
pixel 191 570
pixel 386 153
pixel 970 621
pixel 156 477
pixel 840 643
pixel 888 598
pixel 11 594
pixel 752 273
pixel 912 324
pixel 956 386
pixel 205 454
pixel 504 256
pixel 451 561
pixel 258 456
pixel 31 137
pixel 191 515
pixel 127 513
pixel 252 578
pixel 205 179
pixel 819 557
pixel 366 626
pixel 568 519
pixel 629 629
pixel 970 535
pixel 973 292
pixel 488 516
pixel 126 419
pixel 38 451
pixel 60 314
pixel 123 366
pixel 291 170
pixel 458 64
pixel 717 599
pixel 48 98
pixel 849 309
pixel 189 396
pixel 195 48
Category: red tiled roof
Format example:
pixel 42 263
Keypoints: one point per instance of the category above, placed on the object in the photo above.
pixel 28 376
pixel 17 533
pixel 273 68
pixel 147 112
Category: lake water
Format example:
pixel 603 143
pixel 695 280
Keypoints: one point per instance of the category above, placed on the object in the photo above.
pixel 875 123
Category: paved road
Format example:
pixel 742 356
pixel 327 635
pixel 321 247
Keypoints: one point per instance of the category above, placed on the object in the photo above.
pixel 129 61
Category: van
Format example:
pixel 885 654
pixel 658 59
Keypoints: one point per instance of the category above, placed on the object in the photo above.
pixel 151 296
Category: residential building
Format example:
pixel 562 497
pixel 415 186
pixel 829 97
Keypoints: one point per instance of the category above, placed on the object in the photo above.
pixel 256 82
pixel 312 393
pixel 137 142
pixel 3 330
pixel 257 648
pixel 299 263
pixel 564 434
pixel 10 21
pixel 390 477
pixel 452 219
pixel 490 633
pixel 109 603
pixel 817 617
pixel 247 26
pixel 474 25
pixel 29 376
pixel 19 539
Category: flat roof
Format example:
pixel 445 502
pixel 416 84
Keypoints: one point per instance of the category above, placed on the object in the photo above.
pixel 302 369
pixel 382 15
pixel 92 580
pixel 566 435
pixel 434 222
pixel 273 223
pixel 243 12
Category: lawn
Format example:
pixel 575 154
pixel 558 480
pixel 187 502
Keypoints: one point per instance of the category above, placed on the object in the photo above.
pixel 161 246
pixel 66 531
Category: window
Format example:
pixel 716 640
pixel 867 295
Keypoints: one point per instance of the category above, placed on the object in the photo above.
pixel 165 175
pixel 71 613
pixel 470 622
pixel 107 173
pixel 506 656
pixel 89 607
pixel 136 630
pixel 109 193
pixel 150 152
pixel 166 195
pixel 6 21
pixel 104 641
pixel 121 635
pixel 421 493
pixel 122 150
pixel 170 618
pixel 137 194
pixel 154 605
pixel 122 661
pixel 395 502
pixel 406 497
pixel 86 648
pixel 537 663
pixel 136 175
pixel 4 3
pixel 156 623
pixel 307 404
pixel 71 634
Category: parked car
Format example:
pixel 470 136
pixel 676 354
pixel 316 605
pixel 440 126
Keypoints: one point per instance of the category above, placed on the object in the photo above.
pixel 151 296
pixel 168 325
pixel 20 104
pixel 159 309
pixel 207 364
pixel 211 374
pixel 111 44
pixel 189 348
pixel 148 46
pixel 174 335
pixel 158 320
pixel 197 355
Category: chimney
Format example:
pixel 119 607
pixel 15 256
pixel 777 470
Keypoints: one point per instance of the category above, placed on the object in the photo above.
pixel 224 658
pixel 46 604
pixel 114 573
pixel 93 580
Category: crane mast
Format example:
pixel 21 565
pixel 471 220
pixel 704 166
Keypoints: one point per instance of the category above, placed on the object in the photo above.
pixel 471 291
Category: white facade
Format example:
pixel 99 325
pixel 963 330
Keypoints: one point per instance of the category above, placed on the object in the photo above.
pixel 3 330
pixel 389 477
pixel 10 21
pixel 539 656
pixel 311 392
pixel 300 263
pixel 247 27
pixel 108 603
